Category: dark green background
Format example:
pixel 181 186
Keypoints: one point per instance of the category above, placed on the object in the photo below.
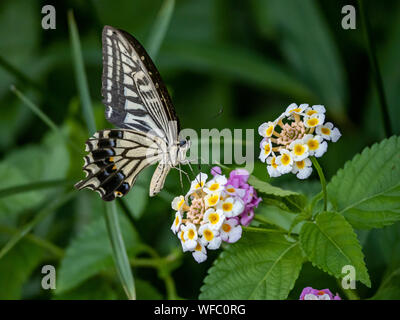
pixel 250 58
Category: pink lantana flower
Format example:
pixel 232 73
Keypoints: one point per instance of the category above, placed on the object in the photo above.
pixel 310 293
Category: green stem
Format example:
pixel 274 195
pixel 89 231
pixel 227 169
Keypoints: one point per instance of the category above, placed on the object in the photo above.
pixel 80 74
pixel 160 28
pixel 50 208
pixel 6 192
pixel 120 255
pixel 52 248
pixel 35 109
pixel 376 71
pixel 351 294
pixel 19 75
pixel 322 179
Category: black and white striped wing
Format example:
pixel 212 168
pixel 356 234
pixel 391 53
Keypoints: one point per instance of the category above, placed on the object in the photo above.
pixel 133 91
pixel 115 159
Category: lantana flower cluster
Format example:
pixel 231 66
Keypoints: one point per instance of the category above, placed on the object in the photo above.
pixel 214 210
pixel 310 293
pixel 297 134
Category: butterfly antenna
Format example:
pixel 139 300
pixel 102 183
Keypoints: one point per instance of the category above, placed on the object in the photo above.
pixel 194 174
pixel 180 178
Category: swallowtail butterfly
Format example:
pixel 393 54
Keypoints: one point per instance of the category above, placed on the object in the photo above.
pixel 138 103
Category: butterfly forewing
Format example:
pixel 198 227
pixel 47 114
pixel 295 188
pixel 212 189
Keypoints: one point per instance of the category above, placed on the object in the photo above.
pixel 132 89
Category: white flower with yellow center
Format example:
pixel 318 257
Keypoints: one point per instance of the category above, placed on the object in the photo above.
pixel 266 129
pixel 200 253
pixel 329 132
pixel 177 222
pixel 316 145
pixel 295 109
pixel 199 181
pixel 299 150
pixel 232 191
pixel 182 239
pixel 216 184
pixel 214 217
pixel 178 203
pixel 284 161
pixel 190 235
pixel 212 199
pixel 315 110
pixel 266 149
pixel 302 168
pixel 314 120
pixel 231 231
pixel 231 207
pixel 209 237
pixel 272 167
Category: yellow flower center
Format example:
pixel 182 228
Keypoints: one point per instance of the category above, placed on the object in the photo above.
pixel 199 185
pixel 311 112
pixel 269 131
pixel 313 144
pixel 301 164
pixel 214 218
pixel 231 190
pixel 214 186
pixel 226 227
pixel 180 204
pixel 285 159
pixel 213 200
pixel 295 110
pixel 299 149
pixel 273 163
pixel 208 235
pixel 267 148
pixel 176 221
pixel 227 206
pixel 181 236
pixel 191 234
pixel 326 131
pixel 198 247
pixel 312 122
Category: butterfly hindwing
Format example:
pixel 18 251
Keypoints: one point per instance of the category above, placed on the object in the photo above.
pixel 115 159
pixel 132 89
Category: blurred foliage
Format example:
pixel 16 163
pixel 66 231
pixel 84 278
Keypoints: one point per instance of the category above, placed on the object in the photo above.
pixel 248 58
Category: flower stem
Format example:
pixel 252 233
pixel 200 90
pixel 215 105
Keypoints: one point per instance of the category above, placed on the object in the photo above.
pixel 322 179
pixel 376 71
pixel 351 294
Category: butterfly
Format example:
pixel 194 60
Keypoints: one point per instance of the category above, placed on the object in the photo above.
pixel 138 103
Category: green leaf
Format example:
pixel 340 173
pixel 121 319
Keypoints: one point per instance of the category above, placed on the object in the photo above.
pixel 90 252
pixel 10 176
pixel 96 288
pixel 330 243
pixel 80 74
pixel 258 266
pixel 291 200
pixel 120 255
pixel 308 46
pixel 160 28
pixel 145 291
pixel 16 267
pixel 367 190
pixel 390 287
pixel 138 197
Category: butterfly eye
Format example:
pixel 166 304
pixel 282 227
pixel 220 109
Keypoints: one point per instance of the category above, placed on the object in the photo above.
pixel 182 143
